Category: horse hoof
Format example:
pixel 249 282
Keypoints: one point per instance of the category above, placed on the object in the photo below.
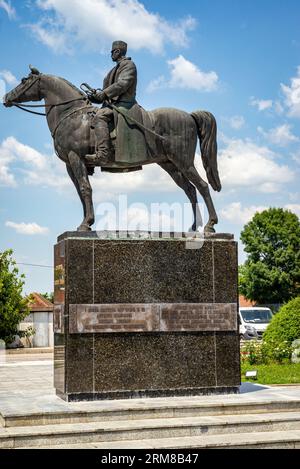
pixel 209 229
pixel 84 227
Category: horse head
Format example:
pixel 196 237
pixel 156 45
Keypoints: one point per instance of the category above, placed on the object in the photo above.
pixel 27 90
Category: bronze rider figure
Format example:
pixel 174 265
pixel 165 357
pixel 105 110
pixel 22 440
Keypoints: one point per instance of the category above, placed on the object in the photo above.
pixel 119 88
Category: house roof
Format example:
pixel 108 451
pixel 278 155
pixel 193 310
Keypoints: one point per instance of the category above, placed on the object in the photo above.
pixel 39 303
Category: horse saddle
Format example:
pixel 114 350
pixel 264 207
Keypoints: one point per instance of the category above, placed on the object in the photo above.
pixel 130 144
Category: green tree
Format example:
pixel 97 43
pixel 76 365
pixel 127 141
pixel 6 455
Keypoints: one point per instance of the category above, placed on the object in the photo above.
pixel 48 296
pixel 271 273
pixel 13 307
pixel 283 330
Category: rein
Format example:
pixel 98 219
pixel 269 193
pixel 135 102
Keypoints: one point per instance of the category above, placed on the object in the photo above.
pixel 22 106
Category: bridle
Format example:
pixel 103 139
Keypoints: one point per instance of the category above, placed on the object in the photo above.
pixel 22 106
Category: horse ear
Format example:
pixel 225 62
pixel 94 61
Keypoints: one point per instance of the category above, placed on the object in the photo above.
pixel 34 70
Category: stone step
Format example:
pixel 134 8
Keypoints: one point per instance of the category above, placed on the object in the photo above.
pixel 139 409
pixel 289 439
pixel 25 437
pixel 26 350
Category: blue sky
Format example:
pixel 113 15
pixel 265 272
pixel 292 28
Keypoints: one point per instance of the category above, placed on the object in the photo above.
pixel 238 59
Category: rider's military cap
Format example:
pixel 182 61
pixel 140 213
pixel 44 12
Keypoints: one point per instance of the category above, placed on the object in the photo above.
pixel 119 45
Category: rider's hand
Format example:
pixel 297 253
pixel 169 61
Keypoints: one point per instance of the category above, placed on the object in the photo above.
pixel 92 98
pixel 99 97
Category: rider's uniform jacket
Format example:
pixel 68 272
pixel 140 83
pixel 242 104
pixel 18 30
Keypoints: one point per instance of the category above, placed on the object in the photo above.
pixel 120 83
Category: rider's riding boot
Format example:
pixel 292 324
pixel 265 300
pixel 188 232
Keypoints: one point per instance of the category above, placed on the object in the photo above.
pixel 103 151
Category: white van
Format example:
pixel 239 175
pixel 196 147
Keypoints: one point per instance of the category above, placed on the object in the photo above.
pixel 254 321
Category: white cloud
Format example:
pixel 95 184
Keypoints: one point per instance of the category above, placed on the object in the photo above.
pixel 294 196
pixel 54 39
pixel 261 104
pixel 11 12
pixel 292 95
pixel 157 83
pixel 238 214
pixel 6 158
pixel 280 135
pixel 6 178
pixel 296 157
pixel 295 208
pixel 23 152
pixel 185 74
pixel 95 23
pixel 269 187
pixel 278 107
pixel 9 77
pixel 36 168
pixel 242 163
pixel 27 228
pixel 236 122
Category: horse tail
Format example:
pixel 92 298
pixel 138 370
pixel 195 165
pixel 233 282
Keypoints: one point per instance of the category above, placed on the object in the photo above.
pixel 207 133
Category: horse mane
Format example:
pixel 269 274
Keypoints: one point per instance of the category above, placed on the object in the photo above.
pixel 69 84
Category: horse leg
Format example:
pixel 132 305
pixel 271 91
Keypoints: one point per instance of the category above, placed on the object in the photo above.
pixel 188 188
pixel 75 182
pixel 192 174
pixel 82 184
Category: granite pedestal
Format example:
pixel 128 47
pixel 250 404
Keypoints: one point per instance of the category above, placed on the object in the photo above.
pixel 140 315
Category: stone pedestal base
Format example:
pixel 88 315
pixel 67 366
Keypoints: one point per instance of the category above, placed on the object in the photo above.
pixel 138 317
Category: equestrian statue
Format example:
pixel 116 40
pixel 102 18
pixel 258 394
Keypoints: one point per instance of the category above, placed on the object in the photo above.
pixel 121 136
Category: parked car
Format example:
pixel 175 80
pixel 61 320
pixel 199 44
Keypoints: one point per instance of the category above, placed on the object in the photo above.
pixel 253 321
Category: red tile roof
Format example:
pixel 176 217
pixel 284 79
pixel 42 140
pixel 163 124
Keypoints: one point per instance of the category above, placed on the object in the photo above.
pixel 39 303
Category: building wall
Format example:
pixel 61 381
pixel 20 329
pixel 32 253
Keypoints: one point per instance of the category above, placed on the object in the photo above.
pixel 42 322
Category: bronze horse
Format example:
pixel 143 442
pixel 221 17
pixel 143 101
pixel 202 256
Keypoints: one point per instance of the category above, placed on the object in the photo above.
pixel 68 112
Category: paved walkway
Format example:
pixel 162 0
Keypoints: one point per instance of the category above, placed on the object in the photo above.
pixel 26 387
